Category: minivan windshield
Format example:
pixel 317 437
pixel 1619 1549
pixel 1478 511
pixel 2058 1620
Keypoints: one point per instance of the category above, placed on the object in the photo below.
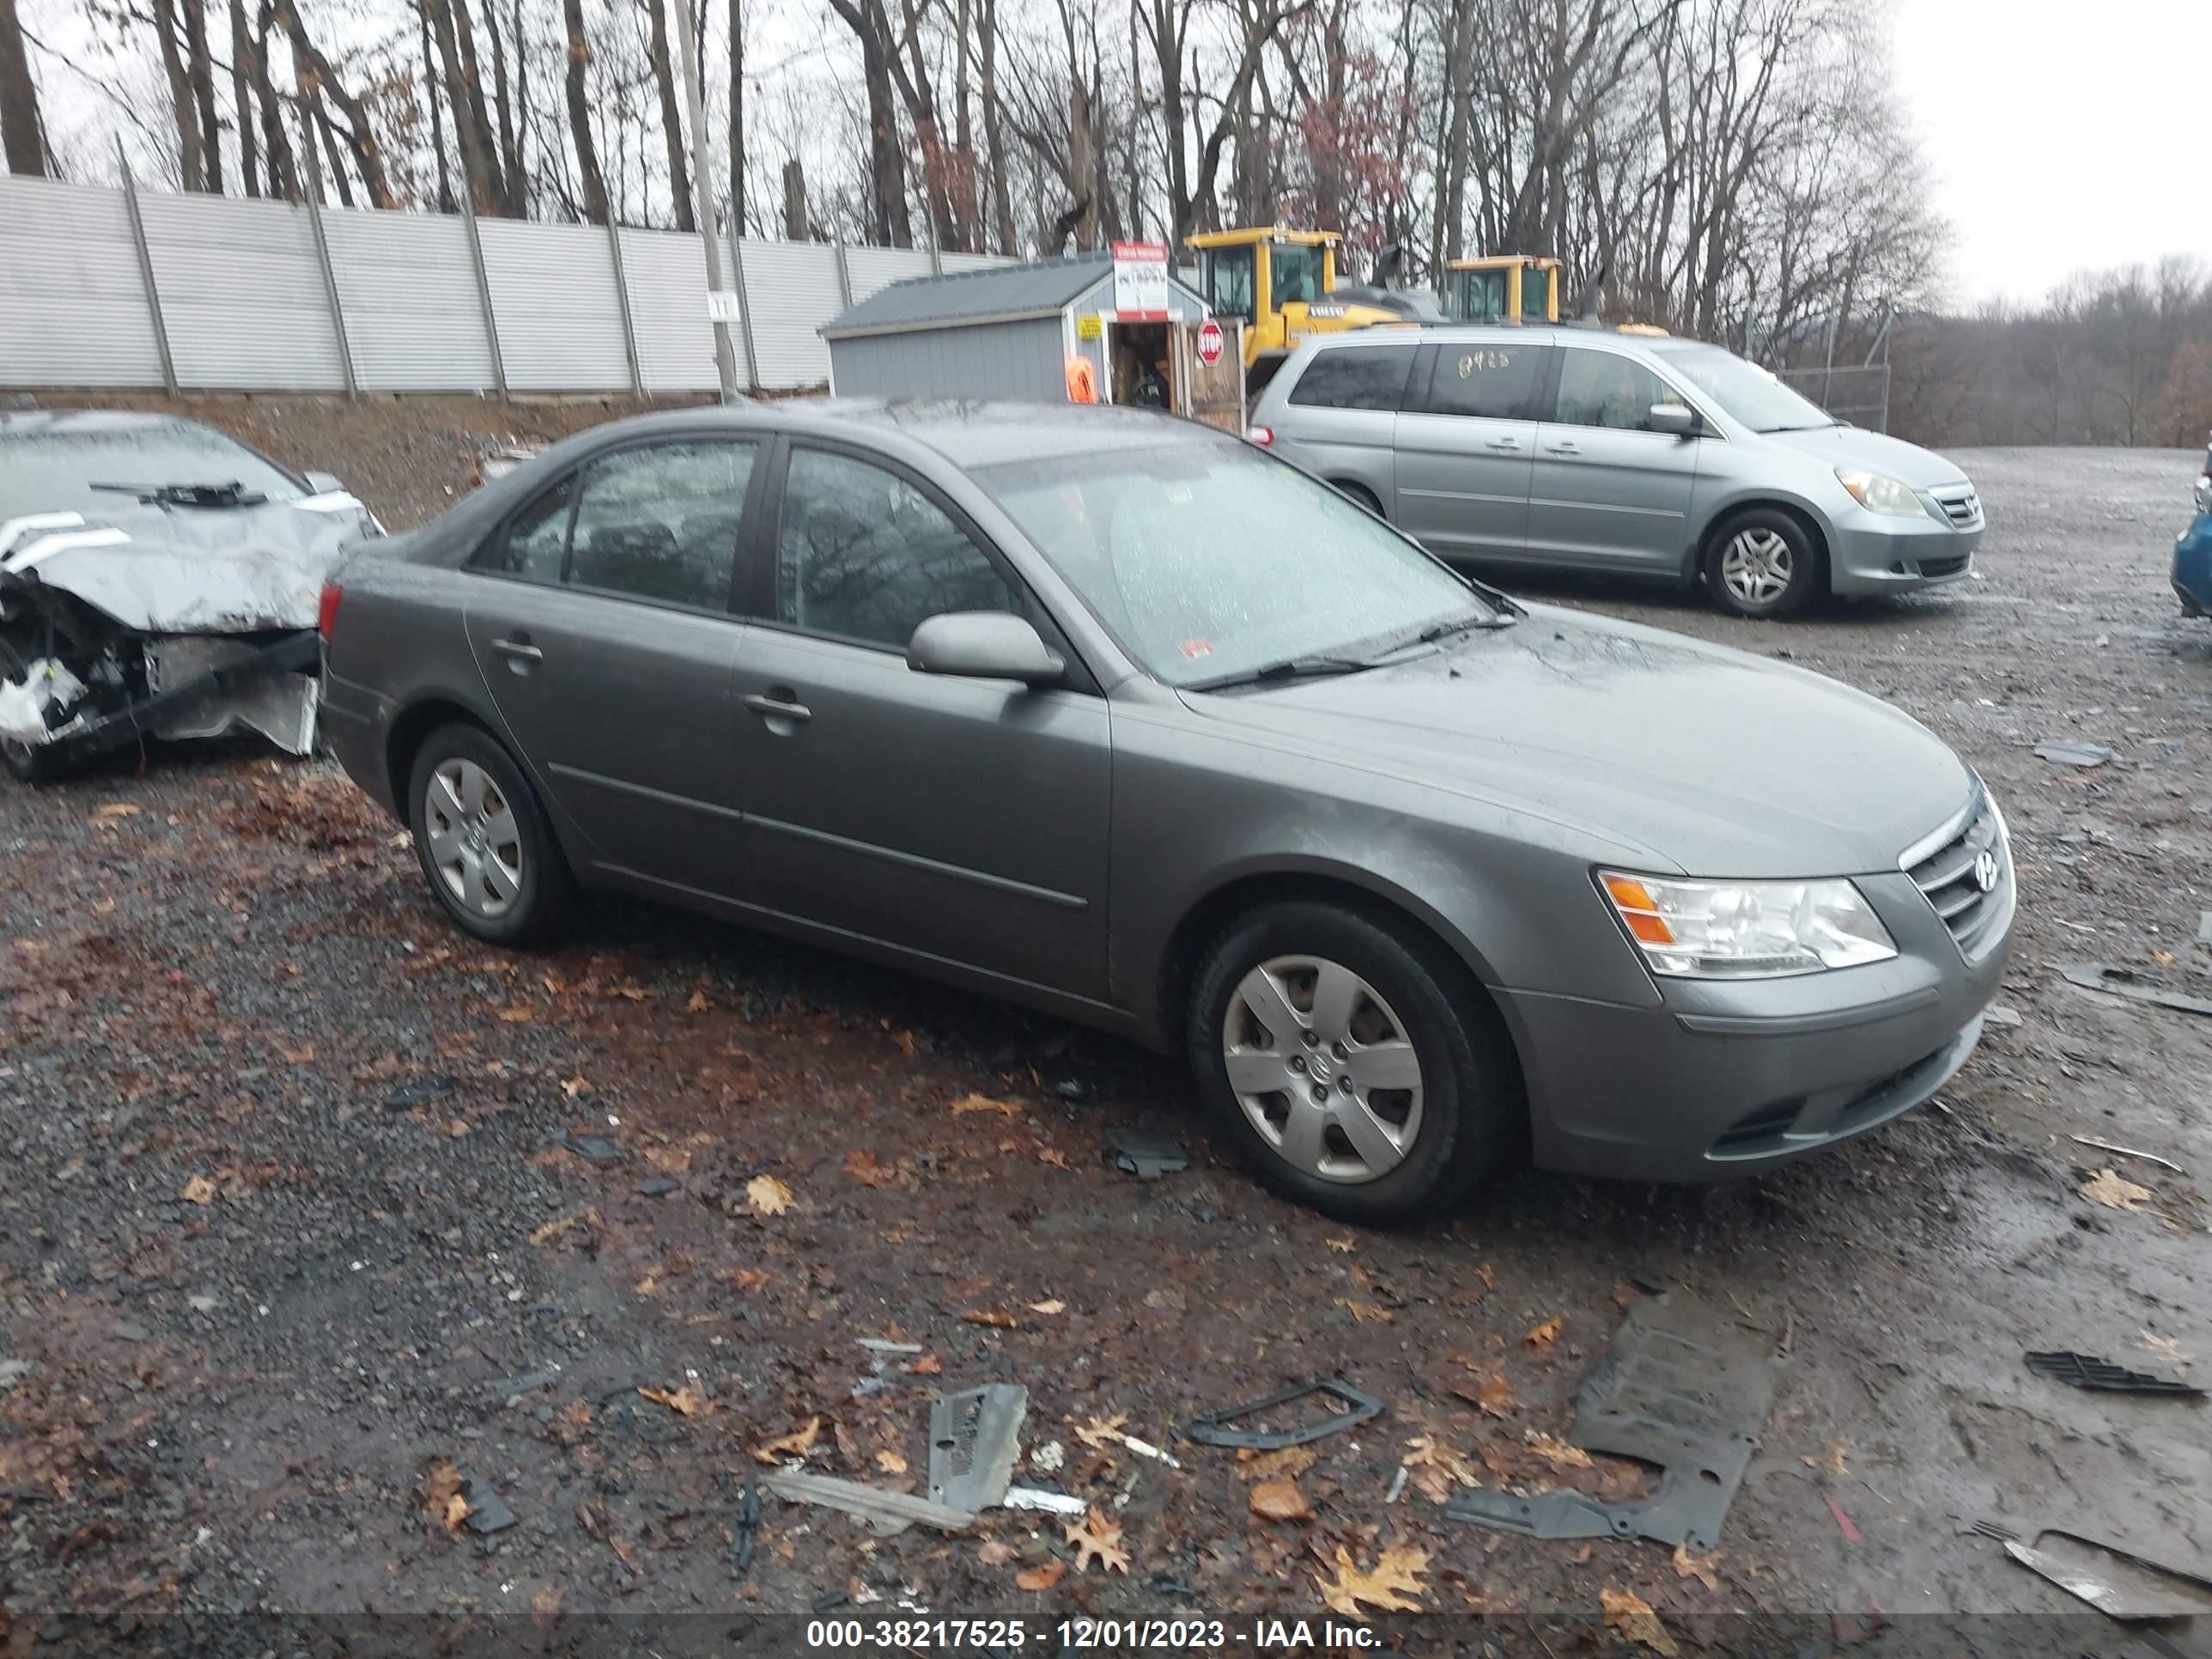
pixel 1746 391
pixel 1212 563
pixel 54 471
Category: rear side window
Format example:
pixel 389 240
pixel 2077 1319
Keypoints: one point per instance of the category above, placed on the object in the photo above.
pixel 1493 382
pixel 1601 388
pixel 1357 377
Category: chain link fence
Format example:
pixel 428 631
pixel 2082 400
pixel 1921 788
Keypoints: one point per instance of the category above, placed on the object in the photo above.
pixel 1853 392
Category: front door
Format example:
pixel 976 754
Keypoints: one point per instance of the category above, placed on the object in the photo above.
pixel 604 634
pixel 961 819
pixel 1466 443
pixel 1608 491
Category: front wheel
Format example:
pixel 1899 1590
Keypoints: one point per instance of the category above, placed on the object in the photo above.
pixel 1346 1060
pixel 1764 563
pixel 484 843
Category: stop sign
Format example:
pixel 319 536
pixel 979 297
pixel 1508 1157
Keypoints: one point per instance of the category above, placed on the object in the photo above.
pixel 1209 342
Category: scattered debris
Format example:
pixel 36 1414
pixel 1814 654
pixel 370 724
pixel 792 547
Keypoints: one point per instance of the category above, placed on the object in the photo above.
pixel 1999 1015
pixel 502 1389
pixel 1394 1580
pixel 658 1186
pixel 487 1513
pixel 746 1528
pixel 1679 1386
pixel 408 1097
pixel 2126 1151
pixel 2108 1189
pixel 1097 1540
pixel 1143 1156
pixel 198 1189
pixel 797 1444
pixel 975 1437
pixel 2124 982
pixel 13 1372
pixel 2066 752
pixel 1850 1532
pixel 1036 1498
pixel 592 1149
pixel 1145 1449
pixel 1213 1428
pixel 2082 1371
pixel 2114 1577
pixel 886 1512
pixel 1397 1483
pixel 1049 1458
pixel 1281 1500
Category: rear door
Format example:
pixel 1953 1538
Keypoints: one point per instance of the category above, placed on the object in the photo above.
pixel 604 631
pixel 1607 490
pixel 961 819
pixel 1465 442
pixel 1340 422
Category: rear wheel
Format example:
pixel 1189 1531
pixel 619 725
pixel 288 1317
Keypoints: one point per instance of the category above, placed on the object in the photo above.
pixel 1762 563
pixel 1342 1057
pixel 1358 494
pixel 483 842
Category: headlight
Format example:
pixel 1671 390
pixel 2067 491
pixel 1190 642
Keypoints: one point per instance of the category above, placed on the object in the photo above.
pixel 1746 929
pixel 1877 494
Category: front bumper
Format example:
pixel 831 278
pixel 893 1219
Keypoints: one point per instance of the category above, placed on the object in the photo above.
pixel 1729 1078
pixel 1864 559
pixel 2192 566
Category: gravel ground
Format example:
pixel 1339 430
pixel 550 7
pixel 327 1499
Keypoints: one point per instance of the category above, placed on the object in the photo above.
pixel 263 1299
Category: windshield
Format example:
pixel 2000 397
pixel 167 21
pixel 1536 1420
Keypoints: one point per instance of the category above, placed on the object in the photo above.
pixel 53 471
pixel 1229 282
pixel 1212 561
pixel 1746 391
pixel 1297 273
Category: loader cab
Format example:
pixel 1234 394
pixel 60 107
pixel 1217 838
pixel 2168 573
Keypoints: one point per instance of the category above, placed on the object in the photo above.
pixel 1511 287
pixel 1282 285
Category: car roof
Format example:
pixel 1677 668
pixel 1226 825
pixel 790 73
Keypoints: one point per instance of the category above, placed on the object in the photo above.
pixel 1450 333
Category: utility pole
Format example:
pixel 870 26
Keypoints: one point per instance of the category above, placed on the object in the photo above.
pixel 703 195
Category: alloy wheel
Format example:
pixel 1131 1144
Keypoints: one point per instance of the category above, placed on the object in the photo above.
pixel 475 845
pixel 1757 566
pixel 1323 1068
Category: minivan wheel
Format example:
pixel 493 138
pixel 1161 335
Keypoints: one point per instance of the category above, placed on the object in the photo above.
pixel 1330 1049
pixel 1762 563
pixel 483 840
pixel 1359 496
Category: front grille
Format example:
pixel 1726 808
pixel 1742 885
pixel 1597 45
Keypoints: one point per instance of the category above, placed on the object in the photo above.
pixel 1950 567
pixel 1946 878
pixel 1960 505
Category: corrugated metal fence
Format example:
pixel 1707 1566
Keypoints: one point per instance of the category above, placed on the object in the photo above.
pixel 102 287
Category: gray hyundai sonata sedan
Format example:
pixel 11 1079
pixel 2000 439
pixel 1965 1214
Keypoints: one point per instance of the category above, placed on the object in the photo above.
pixel 1122 717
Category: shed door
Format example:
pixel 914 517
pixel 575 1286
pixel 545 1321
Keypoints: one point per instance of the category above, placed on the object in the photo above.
pixel 1212 392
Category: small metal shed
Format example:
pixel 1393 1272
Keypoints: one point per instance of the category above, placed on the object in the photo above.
pixel 1008 331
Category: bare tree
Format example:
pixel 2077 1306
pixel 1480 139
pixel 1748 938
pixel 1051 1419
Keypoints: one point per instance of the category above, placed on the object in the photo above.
pixel 21 134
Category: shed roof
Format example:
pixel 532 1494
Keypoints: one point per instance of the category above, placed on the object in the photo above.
pixel 993 294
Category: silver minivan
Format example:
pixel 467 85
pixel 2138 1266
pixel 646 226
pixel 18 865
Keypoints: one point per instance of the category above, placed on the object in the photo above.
pixel 1641 453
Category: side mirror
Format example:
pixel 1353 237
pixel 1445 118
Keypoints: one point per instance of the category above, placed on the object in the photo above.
pixel 1677 419
pixel 982 645
pixel 323 484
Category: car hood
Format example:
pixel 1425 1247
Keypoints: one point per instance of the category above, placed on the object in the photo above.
pixel 1684 756
pixel 1852 445
pixel 186 569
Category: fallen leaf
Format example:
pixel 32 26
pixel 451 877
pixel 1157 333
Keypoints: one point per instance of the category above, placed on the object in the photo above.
pixel 119 809
pixel 967 1103
pixel 698 1004
pixel 1832 1461
pixel 1268 1466
pixel 458 1129
pixel 1558 1453
pixel 1492 1392
pixel 797 1444
pixel 1052 1156
pixel 1365 1312
pixel 199 1190
pixel 2111 1191
pixel 520 1014
pixel 2165 1346
pixel 1632 1615
pixel 1541 1337
pixel 631 993
pixel 996 1552
pixel 684 1402
pixel 1344 1244
pixel 1699 1567
pixel 993 1317
pixel 749 1278
pixel 1396 1578
pixel 863 1168
pixel 1045 1577
pixel 767 1195
pixel 1097 1539
pixel 572 1086
pixel 906 1044
pixel 2163 958
pixel 441 1495
pixel 1051 1307
pixel 928 1366
pixel 560 1225
pixel 1435 1468
pixel 1279 1499
pixel 890 1463
pixel 1100 1430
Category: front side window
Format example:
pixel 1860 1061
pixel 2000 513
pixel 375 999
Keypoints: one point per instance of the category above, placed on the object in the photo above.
pixel 864 555
pixel 660 522
pixel 1356 377
pixel 1599 388
pixel 536 543
pixel 1495 382
pixel 1180 551
pixel 1296 274
pixel 1229 282
pixel 1535 293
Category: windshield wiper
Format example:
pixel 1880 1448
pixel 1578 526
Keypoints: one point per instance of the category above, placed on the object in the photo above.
pixel 1290 668
pixel 1466 625
pixel 233 493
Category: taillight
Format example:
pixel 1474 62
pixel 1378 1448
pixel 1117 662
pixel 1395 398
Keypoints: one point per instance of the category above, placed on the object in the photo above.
pixel 1262 436
pixel 327 613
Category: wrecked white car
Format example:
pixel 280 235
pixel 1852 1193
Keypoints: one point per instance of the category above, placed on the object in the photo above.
pixel 158 579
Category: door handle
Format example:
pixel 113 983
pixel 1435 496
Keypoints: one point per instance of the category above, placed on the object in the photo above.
pixel 1563 449
pixel 1503 445
pixel 519 652
pixel 774 708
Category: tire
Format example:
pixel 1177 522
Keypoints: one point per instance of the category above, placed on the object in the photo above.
pixel 27 765
pixel 1409 1020
pixel 1359 494
pixel 483 840
pixel 1748 553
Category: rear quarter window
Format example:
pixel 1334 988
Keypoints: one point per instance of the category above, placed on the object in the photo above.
pixel 1357 377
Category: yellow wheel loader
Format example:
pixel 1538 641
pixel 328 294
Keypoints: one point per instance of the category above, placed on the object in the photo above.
pixel 1283 285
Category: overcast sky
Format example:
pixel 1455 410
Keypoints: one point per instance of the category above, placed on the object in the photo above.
pixel 2061 135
